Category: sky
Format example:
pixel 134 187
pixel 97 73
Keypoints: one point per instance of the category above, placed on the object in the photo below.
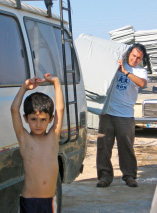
pixel 98 17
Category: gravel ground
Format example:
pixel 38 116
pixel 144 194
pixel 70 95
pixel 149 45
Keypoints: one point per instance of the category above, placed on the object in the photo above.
pixel 83 196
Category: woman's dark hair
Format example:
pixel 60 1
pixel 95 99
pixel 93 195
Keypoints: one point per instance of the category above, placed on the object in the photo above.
pixel 140 47
pixel 38 102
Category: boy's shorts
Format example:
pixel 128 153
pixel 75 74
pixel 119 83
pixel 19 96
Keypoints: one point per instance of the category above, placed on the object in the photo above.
pixel 36 205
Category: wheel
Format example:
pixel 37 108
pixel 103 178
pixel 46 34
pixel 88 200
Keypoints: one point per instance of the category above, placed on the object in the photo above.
pixel 59 194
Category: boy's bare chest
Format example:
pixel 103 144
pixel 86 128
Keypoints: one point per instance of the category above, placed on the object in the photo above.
pixel 39 151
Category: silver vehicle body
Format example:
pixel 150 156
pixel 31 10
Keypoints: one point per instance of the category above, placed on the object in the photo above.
pixel 30 44
pixel 146 105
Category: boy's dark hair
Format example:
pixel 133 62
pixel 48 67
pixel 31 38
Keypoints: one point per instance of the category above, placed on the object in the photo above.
pixel 140 47
pixel 38 102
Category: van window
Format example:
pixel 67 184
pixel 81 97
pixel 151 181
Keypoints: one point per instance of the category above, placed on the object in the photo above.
pixel 12 55
pixel 46 46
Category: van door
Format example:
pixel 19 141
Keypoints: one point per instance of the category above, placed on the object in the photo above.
pixel 46 47
pixel 13 72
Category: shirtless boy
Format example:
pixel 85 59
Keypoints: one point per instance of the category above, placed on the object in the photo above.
pixel 39 148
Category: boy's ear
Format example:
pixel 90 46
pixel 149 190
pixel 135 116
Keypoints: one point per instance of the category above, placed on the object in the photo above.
pixel 51 119
pixel 26 120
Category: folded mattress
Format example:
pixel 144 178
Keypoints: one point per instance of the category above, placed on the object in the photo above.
pixel 98 59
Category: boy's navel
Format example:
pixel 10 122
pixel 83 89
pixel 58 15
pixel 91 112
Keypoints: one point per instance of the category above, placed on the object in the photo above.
pixel 44 182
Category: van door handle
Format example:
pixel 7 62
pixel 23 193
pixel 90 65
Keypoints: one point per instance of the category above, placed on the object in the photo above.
pixel 33 54
pixel 22 53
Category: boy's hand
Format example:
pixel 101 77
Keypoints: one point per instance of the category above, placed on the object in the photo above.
pixel 49 78
pixel 32 83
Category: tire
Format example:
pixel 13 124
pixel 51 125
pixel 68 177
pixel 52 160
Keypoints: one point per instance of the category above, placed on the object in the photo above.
pixel 59 194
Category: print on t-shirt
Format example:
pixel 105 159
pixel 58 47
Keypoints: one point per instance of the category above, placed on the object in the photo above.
pixel 122 82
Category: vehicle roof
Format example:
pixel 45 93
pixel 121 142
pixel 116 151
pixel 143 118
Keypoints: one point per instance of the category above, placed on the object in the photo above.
pixel 29 8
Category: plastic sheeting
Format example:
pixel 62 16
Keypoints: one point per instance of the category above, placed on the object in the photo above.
pixel 99 62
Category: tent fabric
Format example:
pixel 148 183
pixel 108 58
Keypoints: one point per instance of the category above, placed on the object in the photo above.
pixel 99 62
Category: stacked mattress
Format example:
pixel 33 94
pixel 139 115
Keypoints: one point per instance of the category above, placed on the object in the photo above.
pixel 149 39
pixel 123 35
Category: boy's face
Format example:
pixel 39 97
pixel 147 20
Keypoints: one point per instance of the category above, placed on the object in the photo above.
pixel 38 122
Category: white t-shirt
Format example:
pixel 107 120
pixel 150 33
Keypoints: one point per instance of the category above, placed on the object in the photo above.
pixel 125 92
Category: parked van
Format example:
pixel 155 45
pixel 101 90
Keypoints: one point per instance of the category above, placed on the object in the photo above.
pixel 146 105
pixel 33 43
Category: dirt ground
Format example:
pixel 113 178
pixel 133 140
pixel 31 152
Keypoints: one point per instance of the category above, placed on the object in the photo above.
pixel 83 195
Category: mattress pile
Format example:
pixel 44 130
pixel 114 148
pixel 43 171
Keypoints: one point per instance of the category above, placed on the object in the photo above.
pixel 123 35
pixel 149 39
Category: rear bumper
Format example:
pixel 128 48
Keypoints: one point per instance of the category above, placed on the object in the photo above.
pixel 146 122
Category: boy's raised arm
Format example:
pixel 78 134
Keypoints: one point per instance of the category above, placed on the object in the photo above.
pixel 15 112
pixel 59 99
